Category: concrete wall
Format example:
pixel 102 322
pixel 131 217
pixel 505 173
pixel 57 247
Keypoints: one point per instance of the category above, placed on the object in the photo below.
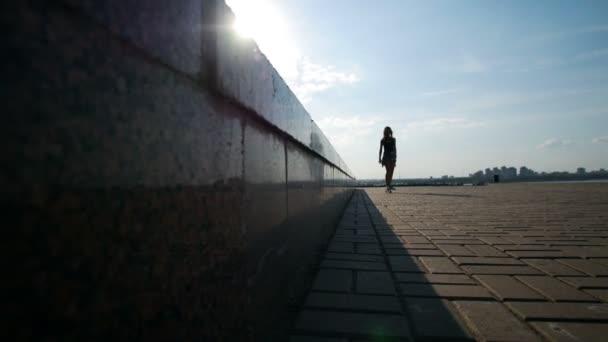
pixel 161 180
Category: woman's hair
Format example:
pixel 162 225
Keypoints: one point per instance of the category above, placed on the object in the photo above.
pixel 389 130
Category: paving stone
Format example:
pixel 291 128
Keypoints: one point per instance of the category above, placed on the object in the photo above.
pixel 586 282
pixel 368 248
pixel 375 283
pixel 456 250
pixel 560 311
pixel 507 270
pixel 539 248
pixel 571 332
pixel 354 257
pixel 458 242
pixel 353 302
pixel 541 254
pixel 508 288
pixel 415 239
pixel 552 267
pixel 486 261
pixel 491 321
pixel 601 261
pixel 390 239
pixel 523 241
pixel 349 323
pixel 354 265
pixel 495 240
pixel 444 291
pixel 486 251
pixel 341 247
pixel 602 294
pixel 586 266
pixel 301 338
pixel 440 265
pixel 433 318
pixel 364 239
pixel 413 252
pixel 365 232
pixel 418 246
pixel 345 232
pixel 404 264
pixel 333 280
pixel 427 278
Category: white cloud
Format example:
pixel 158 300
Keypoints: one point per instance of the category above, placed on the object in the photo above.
pixel 601 140
pixel 439 92
pixel 313 78
pixel 554 143
pixel 441 123
pixel 346 131
pixel 262 21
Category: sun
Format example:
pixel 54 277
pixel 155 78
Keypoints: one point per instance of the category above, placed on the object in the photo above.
pixel 258 20
pixel 262 21
pixel 242 28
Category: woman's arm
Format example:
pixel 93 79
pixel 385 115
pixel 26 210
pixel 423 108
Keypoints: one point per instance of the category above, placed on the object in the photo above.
pixel 380 153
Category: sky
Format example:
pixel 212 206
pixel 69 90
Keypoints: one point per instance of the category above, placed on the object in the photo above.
pixel 464 85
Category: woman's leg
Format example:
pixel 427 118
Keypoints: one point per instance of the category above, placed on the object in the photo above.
pixel 390 167
pixel 386 175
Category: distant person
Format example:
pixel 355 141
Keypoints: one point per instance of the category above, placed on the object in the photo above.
pixel 389 158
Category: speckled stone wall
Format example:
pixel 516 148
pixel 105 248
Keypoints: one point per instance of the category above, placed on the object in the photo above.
pixel 153 191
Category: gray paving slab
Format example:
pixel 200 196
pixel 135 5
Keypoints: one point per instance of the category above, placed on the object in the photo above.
pixel 375 283
pixel 555 289
pixel 561 311
pixel 353 323
pixel 354 302
pixel 444 291
pixel 333 280
pixel 552 267
pixel 508 288
pixel 587 266
pixel 491 321
pixel 499 269
pixel 440 265
pixel 486 261
pixel 405 264
pixel 354 257
pixel 601 294
pixel 413 252
pixel 368 248
pixel 353 265
pixel 426 278
pixel 302 338
pixel 435 319
pixel 586 282
pixel 456 250
pixel 572 331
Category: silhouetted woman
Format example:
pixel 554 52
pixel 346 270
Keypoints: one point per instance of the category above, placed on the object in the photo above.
pixel 389 159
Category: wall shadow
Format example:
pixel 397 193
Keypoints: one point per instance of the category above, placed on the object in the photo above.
pixel 429 314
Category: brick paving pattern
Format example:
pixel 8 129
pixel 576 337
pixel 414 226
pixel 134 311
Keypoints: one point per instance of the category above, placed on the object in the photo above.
pixel 508 262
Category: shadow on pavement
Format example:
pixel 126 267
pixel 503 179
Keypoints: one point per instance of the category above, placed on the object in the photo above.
pixel 373 283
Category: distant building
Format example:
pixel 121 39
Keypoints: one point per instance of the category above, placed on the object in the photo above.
pixel 581 171
pixel 525 172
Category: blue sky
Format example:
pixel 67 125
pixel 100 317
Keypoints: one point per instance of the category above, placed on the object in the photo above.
pixel 465 85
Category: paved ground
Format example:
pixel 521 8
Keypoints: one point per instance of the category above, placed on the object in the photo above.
pixel 520 262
